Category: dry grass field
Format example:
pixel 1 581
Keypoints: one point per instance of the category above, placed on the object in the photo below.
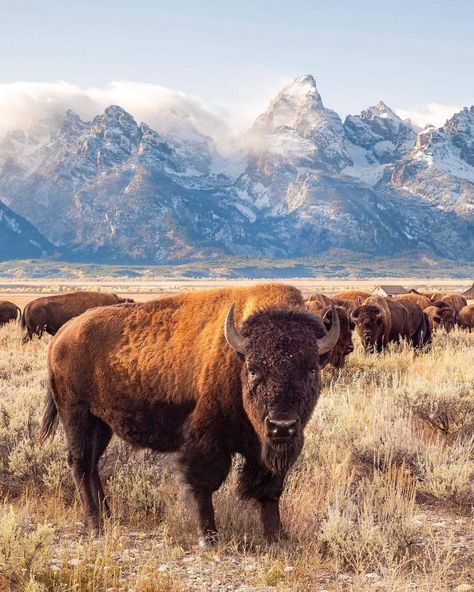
pixel 382 497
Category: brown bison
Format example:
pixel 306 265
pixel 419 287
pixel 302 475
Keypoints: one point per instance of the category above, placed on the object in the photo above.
pixel 435 296
pixel 208 374
pixel 447 314
pixel 441 315
pixel 422 301
pixel 344 345
pixel 466 317
pixel 455 300
pixel 380 320
pixel 321 299
pixel 49 313
pixel 420 330
pixel 8 312
pixel 351 299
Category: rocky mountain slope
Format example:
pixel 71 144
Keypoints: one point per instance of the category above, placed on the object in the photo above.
pixel 115 190
pixel 19 239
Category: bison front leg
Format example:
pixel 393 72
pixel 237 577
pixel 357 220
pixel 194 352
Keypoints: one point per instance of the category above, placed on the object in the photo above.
pixel 205 463
pixel 257 483
pixel 270 513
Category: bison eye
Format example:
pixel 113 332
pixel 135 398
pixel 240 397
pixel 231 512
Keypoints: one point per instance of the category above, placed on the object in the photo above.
pixel 313 371
pixel 252 374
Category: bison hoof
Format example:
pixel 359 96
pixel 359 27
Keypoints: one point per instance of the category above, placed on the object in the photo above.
pixel 208 541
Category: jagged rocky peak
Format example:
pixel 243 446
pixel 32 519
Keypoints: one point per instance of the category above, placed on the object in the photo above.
pixel 72 124
pixel 375 138
pixel 116 123
pixel 380 110
pixel 291 103
pixel 423 138
pixel 298 127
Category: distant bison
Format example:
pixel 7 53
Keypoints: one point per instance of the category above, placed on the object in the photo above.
pixel 344 345
pixel 441 315
pixel 320 299
pixel 455 300
pixel 49 313
pixel 420 299
pixel 177 374
pixel 420 333
pixel 466 317
pixel 447 314
pixel 380 320
pixel 8 312
pixel 351 299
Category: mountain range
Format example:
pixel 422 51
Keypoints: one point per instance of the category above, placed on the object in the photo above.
pixel 302 182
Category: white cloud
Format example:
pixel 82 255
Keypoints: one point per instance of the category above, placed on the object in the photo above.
pixel 22 104
pixel 433 113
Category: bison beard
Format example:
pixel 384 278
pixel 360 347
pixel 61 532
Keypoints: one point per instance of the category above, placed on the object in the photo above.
pixel 279 458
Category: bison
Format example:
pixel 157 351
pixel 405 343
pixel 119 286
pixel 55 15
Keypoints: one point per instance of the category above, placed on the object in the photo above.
pixel 8 312
pixel 351 299
pixel 420 299
pixel 447 314
pixel 455 300
pixel 208 374
pixel 466 317
pixel 344 345
pixel 49 313
pixel 420 330
pixel 380 320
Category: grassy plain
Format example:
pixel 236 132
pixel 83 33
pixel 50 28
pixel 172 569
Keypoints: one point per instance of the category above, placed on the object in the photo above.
pixel 381 499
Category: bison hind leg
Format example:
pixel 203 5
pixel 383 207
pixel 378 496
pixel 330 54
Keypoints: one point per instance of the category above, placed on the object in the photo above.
pixel 101 439
pixel 87 439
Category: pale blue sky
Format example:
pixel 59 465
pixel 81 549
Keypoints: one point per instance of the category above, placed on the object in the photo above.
pixel 408 53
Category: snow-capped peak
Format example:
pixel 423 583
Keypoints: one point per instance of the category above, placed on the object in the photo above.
pixel 297 126
pixel 380 110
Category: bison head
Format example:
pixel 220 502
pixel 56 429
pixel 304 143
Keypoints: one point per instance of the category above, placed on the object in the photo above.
pixel 444 316
pixel 280 376
pixel 369 324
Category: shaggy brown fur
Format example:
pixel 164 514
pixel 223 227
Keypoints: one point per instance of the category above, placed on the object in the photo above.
pixel 8 312
pixel 420 330
pixel 447 313
pixel 320 299
pixel 49 313
pixel 435 296
pixel 161 375
pixel 352 298
pixel 344 345
pixel 434 318
pixel 466 317
pixel 422 301
pixel 456 301
pixel 380 320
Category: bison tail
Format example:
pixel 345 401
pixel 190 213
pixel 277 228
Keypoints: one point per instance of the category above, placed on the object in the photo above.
pixel 49 424
pixel 20 316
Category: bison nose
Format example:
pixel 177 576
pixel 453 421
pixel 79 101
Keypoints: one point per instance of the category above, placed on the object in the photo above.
pixel 281 429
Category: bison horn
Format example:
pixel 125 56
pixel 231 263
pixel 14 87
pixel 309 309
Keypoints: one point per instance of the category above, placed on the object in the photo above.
pixel 354 315
pixel 327 342
pixel 236 341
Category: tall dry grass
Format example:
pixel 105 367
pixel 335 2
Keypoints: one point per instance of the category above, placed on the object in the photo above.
pixel 381 498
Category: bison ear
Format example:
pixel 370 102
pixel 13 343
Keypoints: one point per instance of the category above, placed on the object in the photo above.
pixel 236 341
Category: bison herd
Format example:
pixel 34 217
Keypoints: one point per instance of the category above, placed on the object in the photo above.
pixel 209 374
